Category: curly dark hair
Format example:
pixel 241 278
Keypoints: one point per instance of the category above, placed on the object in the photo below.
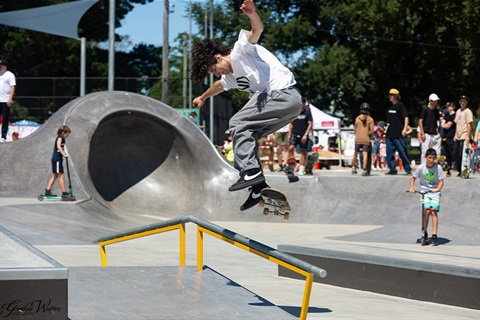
pixel 203 57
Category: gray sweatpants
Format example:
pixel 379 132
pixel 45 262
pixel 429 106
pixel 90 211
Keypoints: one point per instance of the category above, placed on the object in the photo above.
pixel 263 114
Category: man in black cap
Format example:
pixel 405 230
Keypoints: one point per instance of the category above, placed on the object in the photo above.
pixel 7 90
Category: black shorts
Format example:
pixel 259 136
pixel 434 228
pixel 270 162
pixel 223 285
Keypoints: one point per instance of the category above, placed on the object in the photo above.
pixel 363 148
pixel 57 166
pixel 297 139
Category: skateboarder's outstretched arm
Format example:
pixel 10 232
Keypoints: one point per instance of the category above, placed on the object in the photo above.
pixel 248 8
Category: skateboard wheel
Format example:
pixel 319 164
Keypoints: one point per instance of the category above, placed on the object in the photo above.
pixel 40 197
pixel 265 211
pixel 261 203
pixel 286 215
pixel 282 208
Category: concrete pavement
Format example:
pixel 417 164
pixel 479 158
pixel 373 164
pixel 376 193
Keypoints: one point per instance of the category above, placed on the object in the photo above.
pixel 135 161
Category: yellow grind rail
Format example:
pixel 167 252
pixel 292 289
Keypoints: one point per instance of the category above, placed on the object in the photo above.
pixel 285 260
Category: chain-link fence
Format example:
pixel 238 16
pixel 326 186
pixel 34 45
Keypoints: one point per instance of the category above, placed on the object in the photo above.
pixel 43 96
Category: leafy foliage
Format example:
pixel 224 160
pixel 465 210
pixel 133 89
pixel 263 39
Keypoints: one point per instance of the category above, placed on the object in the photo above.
pixel 342 52
pixel 345 52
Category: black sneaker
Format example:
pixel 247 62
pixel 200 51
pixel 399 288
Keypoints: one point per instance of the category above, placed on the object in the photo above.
pixel 392 173
pixel 68 197
pixel 254 196
pixel 49 193
pixel 434 240
pixel 247 179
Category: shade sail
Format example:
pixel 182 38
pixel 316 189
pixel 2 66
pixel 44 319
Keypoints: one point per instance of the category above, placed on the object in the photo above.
pixel 60 19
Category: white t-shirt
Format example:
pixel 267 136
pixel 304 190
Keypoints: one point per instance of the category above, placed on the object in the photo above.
pixel 255 69
pixel 7 80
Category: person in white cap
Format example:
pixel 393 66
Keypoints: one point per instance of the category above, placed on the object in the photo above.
pixel 428 124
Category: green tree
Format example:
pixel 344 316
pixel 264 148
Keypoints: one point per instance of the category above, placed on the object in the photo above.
pixel 344 52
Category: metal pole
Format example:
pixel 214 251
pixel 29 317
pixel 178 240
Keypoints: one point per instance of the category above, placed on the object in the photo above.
pixel 83 53
pixel 190 97
pixel 166 11
pixel 184 71
pixel 211 78
pixel 111 45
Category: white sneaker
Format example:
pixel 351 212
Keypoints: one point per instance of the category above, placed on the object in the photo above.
pixel 301 171
pixel 3 140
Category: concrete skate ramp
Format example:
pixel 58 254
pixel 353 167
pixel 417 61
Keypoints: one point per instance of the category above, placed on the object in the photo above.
pixel 135 160
pixel 129 153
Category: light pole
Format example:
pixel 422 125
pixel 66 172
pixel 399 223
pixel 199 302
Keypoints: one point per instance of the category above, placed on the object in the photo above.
pixel 111 45
pixel 211 76
pixel 166 12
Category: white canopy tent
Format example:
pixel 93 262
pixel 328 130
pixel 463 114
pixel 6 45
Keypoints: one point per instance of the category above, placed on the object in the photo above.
pixel 323 121
pixel 326 126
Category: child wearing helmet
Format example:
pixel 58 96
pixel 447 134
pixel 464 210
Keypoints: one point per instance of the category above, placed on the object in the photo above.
pixel 363 134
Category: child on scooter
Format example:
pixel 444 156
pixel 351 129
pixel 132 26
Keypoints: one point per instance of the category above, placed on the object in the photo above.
pixel 431 177
pixel 57 164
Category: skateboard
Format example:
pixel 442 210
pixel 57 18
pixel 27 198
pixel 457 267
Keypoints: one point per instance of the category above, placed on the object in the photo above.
pixel 442 162
pixel 275 202
pixel 369 160
pixel 312 159
pixel 290 170
pixel 467 157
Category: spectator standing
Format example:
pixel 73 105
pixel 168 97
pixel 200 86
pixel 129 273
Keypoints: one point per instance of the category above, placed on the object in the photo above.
pixel 463 121
pixel 397 118
pixel 383 153
pixel 428 124
pixel 228 147
pixel 375 148
pixel 193 117
pixel 477 134
pixel 449 127
pixel 363 134
pixel 299 131
pixel 7 90
pixel 281 142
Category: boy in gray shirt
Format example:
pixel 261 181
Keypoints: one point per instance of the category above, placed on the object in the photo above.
pixel 431 177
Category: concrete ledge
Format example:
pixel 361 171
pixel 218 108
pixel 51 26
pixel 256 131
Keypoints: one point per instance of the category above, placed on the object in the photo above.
pixel 418 280
pixel 33 285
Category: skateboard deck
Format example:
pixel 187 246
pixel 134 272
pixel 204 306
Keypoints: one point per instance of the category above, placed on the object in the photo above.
pixel 369 160
pixel 312 159
pixel 467 157
pixel 275 202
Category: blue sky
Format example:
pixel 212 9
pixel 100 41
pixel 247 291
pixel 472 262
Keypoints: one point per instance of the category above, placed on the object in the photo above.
pixel 145 22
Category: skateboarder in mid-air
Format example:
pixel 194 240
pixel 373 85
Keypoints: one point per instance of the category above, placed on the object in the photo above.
pixel 274 101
